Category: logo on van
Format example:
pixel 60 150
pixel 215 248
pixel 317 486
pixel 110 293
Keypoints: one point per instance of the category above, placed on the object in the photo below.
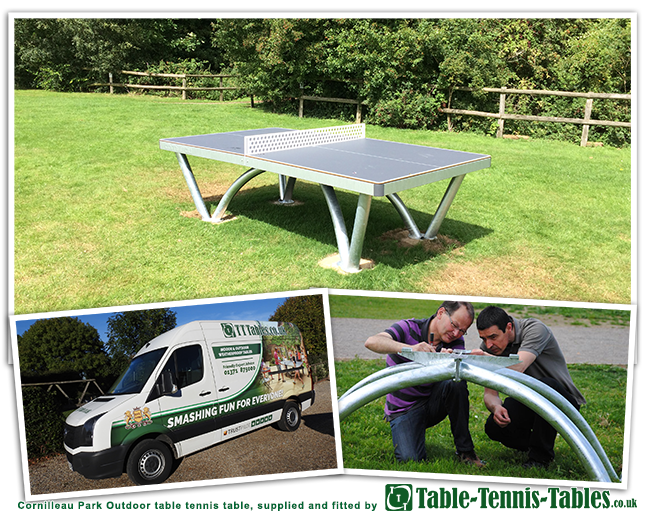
pixel 137 417
pixel 228 330
pixel 233 330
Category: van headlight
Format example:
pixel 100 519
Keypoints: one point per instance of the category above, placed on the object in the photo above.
pixel 88 431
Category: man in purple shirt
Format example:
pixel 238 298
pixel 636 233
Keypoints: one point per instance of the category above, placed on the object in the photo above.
pixel 411 411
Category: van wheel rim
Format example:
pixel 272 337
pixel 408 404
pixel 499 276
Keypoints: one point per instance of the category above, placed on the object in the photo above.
pixel 152 464
pixel 292 418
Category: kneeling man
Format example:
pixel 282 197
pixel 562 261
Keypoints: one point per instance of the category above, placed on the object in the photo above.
pixel 512 423
pixel 412 410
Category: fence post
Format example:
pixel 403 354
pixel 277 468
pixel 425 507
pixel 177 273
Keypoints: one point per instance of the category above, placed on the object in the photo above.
pixel 301 105
pixel 221 91
pixel 110 82
pixel 359 112
pixel 184 87
pixel 502 111
pixel 585 128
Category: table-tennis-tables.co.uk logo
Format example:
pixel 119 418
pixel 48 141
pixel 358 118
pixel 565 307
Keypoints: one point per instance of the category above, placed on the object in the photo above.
pixel 399 497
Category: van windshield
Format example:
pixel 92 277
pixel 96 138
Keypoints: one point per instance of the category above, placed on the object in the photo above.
pixel 134 378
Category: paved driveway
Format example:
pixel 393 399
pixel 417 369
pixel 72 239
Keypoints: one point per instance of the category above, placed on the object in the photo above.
pixel 595 344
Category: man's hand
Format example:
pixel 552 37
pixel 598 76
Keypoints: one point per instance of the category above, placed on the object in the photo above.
pixel 423 347
pixel 501 416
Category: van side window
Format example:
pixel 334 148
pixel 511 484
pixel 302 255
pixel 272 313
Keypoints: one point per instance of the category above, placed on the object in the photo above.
pixel 186 365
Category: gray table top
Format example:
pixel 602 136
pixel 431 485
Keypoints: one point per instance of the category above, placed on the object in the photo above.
pixel 366 165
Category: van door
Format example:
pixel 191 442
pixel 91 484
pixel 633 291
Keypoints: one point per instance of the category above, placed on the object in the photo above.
pixel 189 412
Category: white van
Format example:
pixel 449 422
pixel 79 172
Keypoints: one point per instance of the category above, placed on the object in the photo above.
pixel 194 386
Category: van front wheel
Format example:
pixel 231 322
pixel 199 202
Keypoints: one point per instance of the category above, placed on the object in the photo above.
pixel 150 462
pixel 290 419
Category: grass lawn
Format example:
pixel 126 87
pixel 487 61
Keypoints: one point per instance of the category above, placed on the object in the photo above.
pixel 101 214
pixel 367 444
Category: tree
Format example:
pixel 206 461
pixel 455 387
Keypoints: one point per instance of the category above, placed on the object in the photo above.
pixel 129 331
pixel 56 346
pixel 62 53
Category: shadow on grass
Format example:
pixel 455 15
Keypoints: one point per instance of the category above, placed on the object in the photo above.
pixel 386 240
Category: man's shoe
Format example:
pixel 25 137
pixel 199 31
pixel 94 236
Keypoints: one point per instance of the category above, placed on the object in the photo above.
pixel 469 457
pixel 531 464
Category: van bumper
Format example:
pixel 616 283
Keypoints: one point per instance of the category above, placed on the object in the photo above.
pixel 101 464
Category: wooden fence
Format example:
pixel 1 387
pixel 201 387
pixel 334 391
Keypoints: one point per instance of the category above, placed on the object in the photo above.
pixel 331 100
pixel 501 116
pixel 57 384
pixel 184 77
pixel 586 121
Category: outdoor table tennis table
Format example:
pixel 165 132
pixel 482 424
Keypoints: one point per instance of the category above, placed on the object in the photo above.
pixel 335 157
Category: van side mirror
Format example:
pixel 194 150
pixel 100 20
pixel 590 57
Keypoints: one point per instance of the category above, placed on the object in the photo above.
pixel 168 386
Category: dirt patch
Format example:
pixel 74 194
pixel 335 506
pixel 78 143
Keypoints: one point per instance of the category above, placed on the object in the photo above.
pixel 439 245
pixel 211 192
pixel 196 214
pixel 511 277
pixel 290 204
pixel 331 261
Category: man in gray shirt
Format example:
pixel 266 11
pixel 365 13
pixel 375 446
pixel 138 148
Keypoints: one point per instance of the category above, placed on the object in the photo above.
pixel 512 423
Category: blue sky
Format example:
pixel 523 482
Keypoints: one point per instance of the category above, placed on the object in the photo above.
pixel 260 309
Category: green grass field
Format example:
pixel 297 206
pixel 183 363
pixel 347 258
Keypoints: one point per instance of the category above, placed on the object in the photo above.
pixel 100 214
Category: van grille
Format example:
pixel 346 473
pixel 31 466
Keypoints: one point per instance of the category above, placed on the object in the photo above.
pixel 72 436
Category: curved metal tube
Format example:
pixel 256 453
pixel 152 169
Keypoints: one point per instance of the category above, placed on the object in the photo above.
pixel 443 207
pixel 393 382
pixel 340 231
pixel 574 415
pixel 193 187
pixel 414 231
pixel 396 378
pixel 547 410
pixel 232 191
pixel 403 367
pixel 286 188
pixel 358 234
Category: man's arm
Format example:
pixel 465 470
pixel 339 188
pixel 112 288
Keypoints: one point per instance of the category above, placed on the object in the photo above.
pixel 525 360
pixel 494 404
pixel 383 343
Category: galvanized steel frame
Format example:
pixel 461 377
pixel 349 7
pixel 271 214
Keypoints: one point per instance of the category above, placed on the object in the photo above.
pixel 349 249
pixel 489 372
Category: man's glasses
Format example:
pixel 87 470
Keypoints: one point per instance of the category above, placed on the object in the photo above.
pixel 455 325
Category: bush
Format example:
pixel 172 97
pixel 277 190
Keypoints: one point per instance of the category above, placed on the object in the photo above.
pixel 61 78
pixel 408 109
pixel 43 422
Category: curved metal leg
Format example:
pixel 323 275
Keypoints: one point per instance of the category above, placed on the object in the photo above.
pixel 349 250
pixel 573 414
pixel 358 234
pixel 387 381
pixel 191 184
pixel 340 231
pixel 232 191
pixel 443 207
pixel 286 188
pixel 545 409
pixel 414 231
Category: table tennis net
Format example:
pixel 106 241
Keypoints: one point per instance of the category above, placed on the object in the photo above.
pixel 265 143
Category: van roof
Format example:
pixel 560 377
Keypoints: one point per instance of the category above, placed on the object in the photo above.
pixel 192 331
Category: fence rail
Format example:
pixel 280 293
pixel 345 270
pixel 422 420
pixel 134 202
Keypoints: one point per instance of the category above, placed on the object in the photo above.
pixel 586 121
pixel 184 88
pixel 331 100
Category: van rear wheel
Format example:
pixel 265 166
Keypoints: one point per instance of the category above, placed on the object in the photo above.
pixel 150 462
pixel 290 419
